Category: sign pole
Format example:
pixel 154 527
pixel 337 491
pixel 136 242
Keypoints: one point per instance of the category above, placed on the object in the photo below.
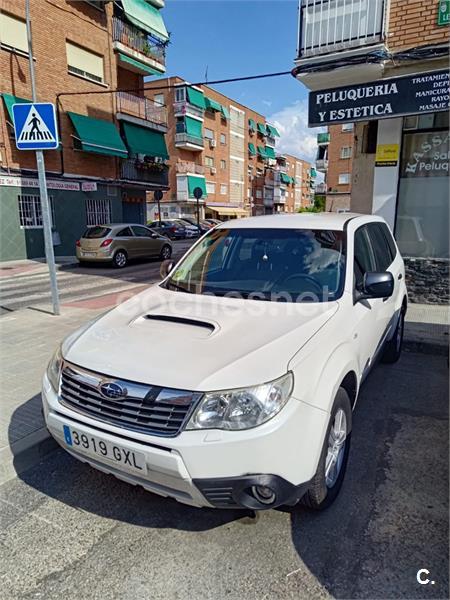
pixel 198 193
pixel 45 208
pixel 157 195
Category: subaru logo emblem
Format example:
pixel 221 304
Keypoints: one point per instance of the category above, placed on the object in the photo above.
pixel 113 390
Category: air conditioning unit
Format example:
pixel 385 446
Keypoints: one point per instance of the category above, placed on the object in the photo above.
pixel 213 170
pixel 212 143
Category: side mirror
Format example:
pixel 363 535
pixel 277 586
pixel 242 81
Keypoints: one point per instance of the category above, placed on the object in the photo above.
pixel 377 285
pixel 166 266
pixel 154 236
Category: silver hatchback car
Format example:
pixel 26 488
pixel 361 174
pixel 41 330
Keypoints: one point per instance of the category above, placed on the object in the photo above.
pixel 117 243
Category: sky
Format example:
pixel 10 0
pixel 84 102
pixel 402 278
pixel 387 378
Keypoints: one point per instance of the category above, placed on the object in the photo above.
pixel 232 38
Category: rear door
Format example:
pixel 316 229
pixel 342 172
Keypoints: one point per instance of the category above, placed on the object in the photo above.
pixel 147 244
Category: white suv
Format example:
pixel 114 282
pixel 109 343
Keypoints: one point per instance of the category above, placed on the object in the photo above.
pixel 232 382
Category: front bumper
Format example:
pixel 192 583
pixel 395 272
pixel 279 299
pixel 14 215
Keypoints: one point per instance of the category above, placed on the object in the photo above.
pixel 208 468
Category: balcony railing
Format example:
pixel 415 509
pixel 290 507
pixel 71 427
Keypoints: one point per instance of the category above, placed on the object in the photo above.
pixel 184 166
pixel 328 26
pixel 135 170
pixel 185 108
pixel 186 138
pixel 138 40
pixel 141 108
pixel 322 165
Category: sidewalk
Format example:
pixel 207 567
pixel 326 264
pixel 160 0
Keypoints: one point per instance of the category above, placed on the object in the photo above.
pixel 19 267
pixel 29 337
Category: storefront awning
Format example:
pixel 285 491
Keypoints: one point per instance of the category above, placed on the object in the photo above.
pixel 137 65
pixel 146 17
pixel 252 124
pixel 252 149
pixel 270 152
pixel 141 140
pixel 225 112
pixel 212 104
pixel 97 136
pixel 262 128
pixel 193 127
pixel 262 152
pixel 273 131
pixel 225 211
pixel 194 182
pixel 9 100
pixel 196 98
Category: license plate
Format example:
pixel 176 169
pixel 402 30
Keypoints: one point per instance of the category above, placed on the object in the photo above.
pixel 88 253
pixel 94 446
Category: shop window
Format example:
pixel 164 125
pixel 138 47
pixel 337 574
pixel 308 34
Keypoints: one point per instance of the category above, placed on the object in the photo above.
pixel 98 211
pixel 30 214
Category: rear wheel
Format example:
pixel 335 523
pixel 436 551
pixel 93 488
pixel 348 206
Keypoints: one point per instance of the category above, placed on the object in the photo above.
pixel 393 348
pixel 327 482
pixel 166 252
pixel 120 259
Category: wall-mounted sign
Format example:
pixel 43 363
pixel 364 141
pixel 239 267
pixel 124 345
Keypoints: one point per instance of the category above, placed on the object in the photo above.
pixel 444 12
pixel 31 182
pixel 387 155
pixel 399 96
pixel 88 186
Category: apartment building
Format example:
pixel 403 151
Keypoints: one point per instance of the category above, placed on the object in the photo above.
pixel 112 145
pixel 214 143
pixel 289 185
pixel 335 161
pixel 383 65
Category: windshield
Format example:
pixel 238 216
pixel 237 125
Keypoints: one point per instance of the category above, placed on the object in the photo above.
pixel 290 265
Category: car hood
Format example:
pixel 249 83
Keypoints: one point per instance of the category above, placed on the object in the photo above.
pixel 197 342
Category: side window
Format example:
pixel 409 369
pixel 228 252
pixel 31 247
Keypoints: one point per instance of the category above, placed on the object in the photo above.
pixel 142 231
pixel 363 256
pixel 390 240
pixel 125 233
pixel 380 246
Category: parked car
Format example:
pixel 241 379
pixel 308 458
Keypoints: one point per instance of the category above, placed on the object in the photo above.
pixel 214 222
pixel 204 227
pixel 191 230
pixel 171 228
pixel 271 325
pixel 117 243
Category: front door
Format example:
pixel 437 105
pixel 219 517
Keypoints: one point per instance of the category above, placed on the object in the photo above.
pixel 146 243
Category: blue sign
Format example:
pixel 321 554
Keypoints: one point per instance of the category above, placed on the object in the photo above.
pixel 35 126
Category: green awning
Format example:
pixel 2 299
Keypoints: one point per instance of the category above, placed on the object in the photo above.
pixel 270 152
pixel 252 124
pixel 196 98
pixel 193 127
pixel 194 182
pixel 262 151
pixel 212 104
pixel 225 112
pixel 138 65
pixel 146 17
pixel 97 136
pixel 273 131
pixel 285 178
pixel 262 128
pixel 313 173
pixel 141 140
pixel 252 149
pixel 9 100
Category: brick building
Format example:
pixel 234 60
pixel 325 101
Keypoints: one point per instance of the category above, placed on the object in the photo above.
pixel 383 66
pixel 224 147
pixel 112 143
pixel 335 161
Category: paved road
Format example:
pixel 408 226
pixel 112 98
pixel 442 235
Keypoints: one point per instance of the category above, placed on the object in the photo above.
pixel 76 282
pixel 71 532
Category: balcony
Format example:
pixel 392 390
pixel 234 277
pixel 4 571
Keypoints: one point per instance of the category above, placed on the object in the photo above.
pixel 189 142
pixel 271 141
pixel 183 167
pixel 156 174
pixel 322 165
pixel 186 109
pixel 138 45
pixel 141 111
pixel 323 138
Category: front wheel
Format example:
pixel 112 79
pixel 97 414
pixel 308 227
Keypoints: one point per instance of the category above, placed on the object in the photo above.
pixel 120 259
pixel 166 252
pixel 393 348
pixel 328 479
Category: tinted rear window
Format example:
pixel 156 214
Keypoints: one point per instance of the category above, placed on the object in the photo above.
pixel 96 232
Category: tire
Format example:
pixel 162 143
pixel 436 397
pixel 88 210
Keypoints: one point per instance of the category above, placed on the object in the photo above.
pixel 393 349
pixel 120 259
pixel 325 489
pixel 166 252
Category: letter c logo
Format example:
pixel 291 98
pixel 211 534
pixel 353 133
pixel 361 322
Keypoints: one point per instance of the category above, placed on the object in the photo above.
pixel 420 579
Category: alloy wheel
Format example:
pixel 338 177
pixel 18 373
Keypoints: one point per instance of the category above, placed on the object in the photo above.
pixel 336 448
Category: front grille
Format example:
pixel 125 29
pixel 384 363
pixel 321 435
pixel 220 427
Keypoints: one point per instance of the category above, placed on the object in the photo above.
pixel 220 497
pixel 146 408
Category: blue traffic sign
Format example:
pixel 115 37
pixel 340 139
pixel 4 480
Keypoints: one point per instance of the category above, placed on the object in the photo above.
pixel 35 126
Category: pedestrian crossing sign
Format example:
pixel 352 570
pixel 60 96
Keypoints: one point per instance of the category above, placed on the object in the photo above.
pixel 35 126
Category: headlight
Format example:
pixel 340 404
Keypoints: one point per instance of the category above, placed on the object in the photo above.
pixel 242 408
pixel 54 369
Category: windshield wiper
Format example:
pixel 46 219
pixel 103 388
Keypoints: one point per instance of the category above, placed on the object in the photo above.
pixel 180 288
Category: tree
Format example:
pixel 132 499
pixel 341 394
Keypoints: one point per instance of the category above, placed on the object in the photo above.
pixel 318 206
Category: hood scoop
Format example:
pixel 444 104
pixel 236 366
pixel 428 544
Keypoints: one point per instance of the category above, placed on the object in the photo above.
pixel 181 325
